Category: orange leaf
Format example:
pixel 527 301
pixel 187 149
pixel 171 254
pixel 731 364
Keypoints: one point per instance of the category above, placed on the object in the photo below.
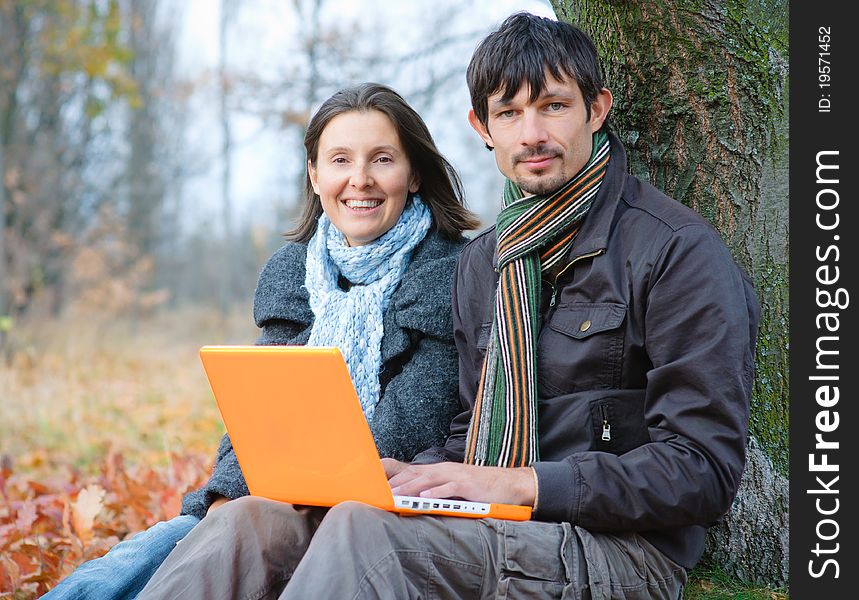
pixel 7 535
pixel 84 510
pixel 11 571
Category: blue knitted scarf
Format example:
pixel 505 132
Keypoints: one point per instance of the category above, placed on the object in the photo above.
pixel 352 320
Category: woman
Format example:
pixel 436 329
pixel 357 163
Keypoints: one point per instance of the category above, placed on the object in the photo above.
pixel 368 269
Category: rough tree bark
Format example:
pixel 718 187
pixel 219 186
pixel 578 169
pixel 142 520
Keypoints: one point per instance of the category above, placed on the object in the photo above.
pixel 700 94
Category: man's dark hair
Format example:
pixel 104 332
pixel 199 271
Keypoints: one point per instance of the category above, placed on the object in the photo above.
pixel 520 52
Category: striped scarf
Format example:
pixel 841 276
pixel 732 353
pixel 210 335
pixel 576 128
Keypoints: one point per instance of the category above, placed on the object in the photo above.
pixel 534 234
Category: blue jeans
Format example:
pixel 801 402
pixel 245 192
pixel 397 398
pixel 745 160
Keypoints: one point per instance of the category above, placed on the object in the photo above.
pixel 122 572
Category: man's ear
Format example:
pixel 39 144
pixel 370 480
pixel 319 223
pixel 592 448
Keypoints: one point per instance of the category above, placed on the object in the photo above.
pixel 481 130
pixel 600 108
pixel 311 171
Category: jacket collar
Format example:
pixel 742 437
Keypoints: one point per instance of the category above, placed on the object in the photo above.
pixel 593 236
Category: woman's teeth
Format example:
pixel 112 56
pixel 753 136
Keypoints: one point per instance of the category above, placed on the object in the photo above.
pixel 363 203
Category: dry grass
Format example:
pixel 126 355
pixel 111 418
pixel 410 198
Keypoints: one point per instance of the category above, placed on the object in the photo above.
pixel 71 389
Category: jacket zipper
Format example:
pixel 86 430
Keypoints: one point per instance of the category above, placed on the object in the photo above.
pixel 554 285
pixel 606 426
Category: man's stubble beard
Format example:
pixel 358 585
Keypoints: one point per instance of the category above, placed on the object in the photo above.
pixel 542 186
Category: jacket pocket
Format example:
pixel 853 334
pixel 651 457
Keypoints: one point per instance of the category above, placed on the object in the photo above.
pixel 581 348
pixel 535 561
pixel 617 421
pixel 582 320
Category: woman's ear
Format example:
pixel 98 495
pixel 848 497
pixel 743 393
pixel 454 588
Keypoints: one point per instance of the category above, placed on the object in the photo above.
pixel 415 183
pixel 311 171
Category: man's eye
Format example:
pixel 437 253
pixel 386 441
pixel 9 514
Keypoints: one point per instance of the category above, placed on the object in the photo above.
pixel 506 114
pixel 555 106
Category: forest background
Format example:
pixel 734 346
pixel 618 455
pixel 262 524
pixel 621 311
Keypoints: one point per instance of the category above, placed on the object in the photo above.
pixel 150 160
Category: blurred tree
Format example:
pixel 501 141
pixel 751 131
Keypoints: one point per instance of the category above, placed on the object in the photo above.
pixel 143 183
pixel 85 122
pixel 63 65
pixel 5 319
pixel 228 270
pixel 700 94
pixel 152 146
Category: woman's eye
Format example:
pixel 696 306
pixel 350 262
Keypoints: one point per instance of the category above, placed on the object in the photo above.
pixel 339 160
pixel 384 159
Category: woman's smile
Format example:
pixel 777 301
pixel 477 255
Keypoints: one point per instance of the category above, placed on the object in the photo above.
pixel 363 205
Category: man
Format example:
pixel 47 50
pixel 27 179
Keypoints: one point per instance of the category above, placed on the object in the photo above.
pixel 606 342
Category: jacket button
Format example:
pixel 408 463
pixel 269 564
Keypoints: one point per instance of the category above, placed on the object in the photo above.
pixel 585 326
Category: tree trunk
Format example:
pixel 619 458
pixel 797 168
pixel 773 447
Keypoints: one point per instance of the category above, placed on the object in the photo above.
pixel 144 180
pixel 700 93
pixel 226 278
pixel 4 318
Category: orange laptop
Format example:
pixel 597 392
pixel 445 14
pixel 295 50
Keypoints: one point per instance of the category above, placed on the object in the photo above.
pixel 300 436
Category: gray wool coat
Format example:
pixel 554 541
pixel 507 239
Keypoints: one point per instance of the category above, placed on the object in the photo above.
pixel 419 369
